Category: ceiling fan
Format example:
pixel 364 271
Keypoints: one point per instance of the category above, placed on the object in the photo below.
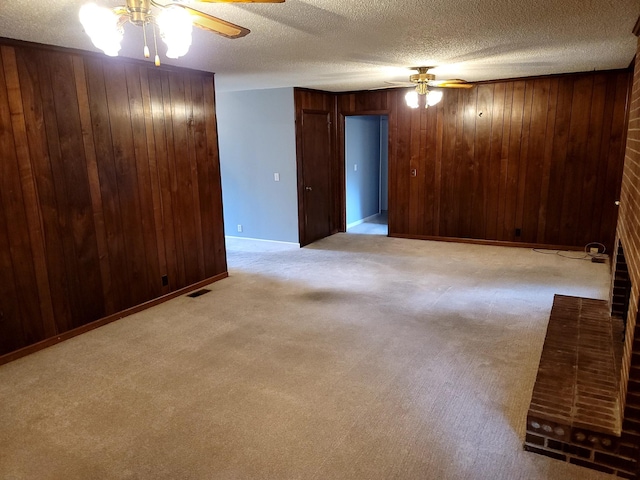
pixel 174 20
pixel 422 81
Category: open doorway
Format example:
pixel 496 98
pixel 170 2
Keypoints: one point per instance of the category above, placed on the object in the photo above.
pixel 367 174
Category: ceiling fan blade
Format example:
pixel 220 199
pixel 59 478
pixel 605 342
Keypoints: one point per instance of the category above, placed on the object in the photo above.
pixel 241 1
pixel 451 83
pixel 214 24
pixel 399 84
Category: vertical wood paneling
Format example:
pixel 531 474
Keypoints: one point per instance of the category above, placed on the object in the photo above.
pixel 16 221
pixel 546 164
pixel 574 166
pixel 544 158
pixel 559 155
pixel 188 231
pixel 428 200
pixel 493 178
pixel 588 212
pixel 213 225
pixel 94 182
pixel 18 121
pixel 75 210
pixel 447 221
pixel 154 181
pixel 193 123
pixel 437 188
pixel 164 151
pixel 43 144
pixel 120 293
pixel 11 333
pixel 106 164
pixel 523 160
pixel 414 221
pixel 469 170
pixel 616 160
pixel 534 171
pixel 173 185
pixel 504 162
pixel 481 161
pixel 11 311
pixel 143 177
pixel 513 161
pixel 126 178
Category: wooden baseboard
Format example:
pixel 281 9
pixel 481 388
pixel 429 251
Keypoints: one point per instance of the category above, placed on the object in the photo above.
pixel 11 356
pixel 497 243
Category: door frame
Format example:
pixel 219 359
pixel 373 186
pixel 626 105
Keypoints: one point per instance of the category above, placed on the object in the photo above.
pixel 302 206
pixel 342 158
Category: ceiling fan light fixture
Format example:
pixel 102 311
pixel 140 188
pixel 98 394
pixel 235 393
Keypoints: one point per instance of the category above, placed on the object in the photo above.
pixel 175 21
pixel 412 99
pixel 433 97
pixel 102 26
pixel 175 30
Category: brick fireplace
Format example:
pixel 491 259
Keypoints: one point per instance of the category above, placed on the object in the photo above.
pixel 602 430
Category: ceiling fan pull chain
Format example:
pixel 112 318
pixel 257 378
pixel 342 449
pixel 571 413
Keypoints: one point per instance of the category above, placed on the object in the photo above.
pixel 144 34
pixel 155 45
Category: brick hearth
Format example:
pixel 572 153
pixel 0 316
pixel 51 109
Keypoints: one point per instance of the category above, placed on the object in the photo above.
pixel 575 411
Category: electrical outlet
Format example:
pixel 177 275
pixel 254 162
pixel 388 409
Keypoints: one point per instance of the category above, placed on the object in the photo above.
pixel 518 232
pixel 165 280
pixel 240 228
pixel 593 250
pixel 276 177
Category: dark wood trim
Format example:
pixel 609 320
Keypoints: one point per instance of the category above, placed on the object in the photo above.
pixel 342 159
pixel 495 243
pixel 36 347
pixel 308 101
pixel 362 113
pixel 302 231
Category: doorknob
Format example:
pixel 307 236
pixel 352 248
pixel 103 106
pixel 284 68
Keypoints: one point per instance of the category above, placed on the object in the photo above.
pixel 308 189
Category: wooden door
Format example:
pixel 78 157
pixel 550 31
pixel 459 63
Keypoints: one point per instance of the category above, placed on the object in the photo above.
pixel 316 176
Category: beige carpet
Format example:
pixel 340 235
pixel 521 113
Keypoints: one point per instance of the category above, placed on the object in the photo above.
pixel 359 357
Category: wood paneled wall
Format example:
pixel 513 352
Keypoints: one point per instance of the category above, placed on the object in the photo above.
pixel 109 180
pixel 534 161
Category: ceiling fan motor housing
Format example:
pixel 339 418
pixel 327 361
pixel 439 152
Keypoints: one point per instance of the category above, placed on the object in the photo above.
pixel 422 77
pixel 138 10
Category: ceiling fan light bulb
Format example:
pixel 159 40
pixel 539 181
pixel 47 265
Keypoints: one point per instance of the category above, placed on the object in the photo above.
pixel 433 97
pixel 412 99
pixel 175 30
pixel 146 52
pixel 101 24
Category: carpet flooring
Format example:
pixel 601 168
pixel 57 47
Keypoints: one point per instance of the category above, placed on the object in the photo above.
pixel 358 357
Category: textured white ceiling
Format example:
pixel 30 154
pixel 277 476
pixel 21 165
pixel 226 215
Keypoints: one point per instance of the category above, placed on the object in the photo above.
pixel 341 45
